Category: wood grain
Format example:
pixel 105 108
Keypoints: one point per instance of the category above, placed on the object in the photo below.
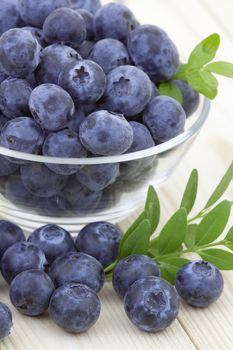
pixel 187 22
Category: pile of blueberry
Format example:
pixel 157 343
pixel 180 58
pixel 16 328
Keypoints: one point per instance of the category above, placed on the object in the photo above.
pixel 78 80
pixel 52 271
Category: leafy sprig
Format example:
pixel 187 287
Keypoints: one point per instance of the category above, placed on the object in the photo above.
pixel 182 234
pixel 199 72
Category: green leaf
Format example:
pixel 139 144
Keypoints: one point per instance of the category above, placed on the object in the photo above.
pixel 170 266
pixel 213 223
pixel 152 208
pixel 204 52
pixel 138 241
pixel 221 68
pixel 203 82
pixel 132 228
pixel 151 214
pixel 229 245
pixel 154 248
pixel 173 233
pixel 181 72
pixel 179 249
pixel 190 192
pixel 229 236
pixel 171 90
pixel 222 259
pixel 190 237
pixel 222 187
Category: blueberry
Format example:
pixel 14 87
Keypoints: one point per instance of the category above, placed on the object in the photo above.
pixel 74 307
pixel 9 15
pixel 153 51
pixel 151 304
pixel 110 197
pixel 105 133
pixel 77 268
pixel 101 240
pixel 38 34
pixel 55 206
pixel 22 134
pixel 19 53
pixel 142 138
pixel 65 26
pixel 89 5
pixel 30 292
pixel 76 120
pixel 191 98
pixel 65 143
pixel 3 181
pixel 21 256
pixel 53 240
pixel 155 91
pixel 114 21
pixel 84 80
pixel 139 117
pixel 98 176
pixel 81 200
pixel 54 58
pixel 3 121
pixel 41 181
pixel 89 22
pixel 14 97
pixel 199 283
pixel 7 167
pixel 31 79
pixel 10 234
pixel 51 106
pixel 16 192
pixel 165 118
pixel 136 173
pixel 34 12
pixel 85 49
pixel 128 90
pixel 3 76
pixel 131 269
pixel 90 108
pixel 109 54
pixel 5 321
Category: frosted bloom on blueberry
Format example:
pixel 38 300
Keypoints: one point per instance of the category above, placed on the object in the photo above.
pixel 199 283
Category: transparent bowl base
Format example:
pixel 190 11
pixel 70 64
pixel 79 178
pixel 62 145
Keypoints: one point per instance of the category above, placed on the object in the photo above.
pixel 29 221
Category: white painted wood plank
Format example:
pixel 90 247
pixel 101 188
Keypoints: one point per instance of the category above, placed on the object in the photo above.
pixel 113 331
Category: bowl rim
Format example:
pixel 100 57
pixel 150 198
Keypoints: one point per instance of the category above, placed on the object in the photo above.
pixel 156 150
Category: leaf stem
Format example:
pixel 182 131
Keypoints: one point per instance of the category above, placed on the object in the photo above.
pixel 202 213
pixel 194 249
pixel 198 216
pixel 111 267
pixel 108 277
pixel 175 254
pixel 210 245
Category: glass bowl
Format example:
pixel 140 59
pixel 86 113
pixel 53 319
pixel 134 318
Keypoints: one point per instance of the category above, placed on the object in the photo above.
pixel 32 195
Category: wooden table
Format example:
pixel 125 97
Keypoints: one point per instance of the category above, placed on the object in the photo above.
pixel 187 22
